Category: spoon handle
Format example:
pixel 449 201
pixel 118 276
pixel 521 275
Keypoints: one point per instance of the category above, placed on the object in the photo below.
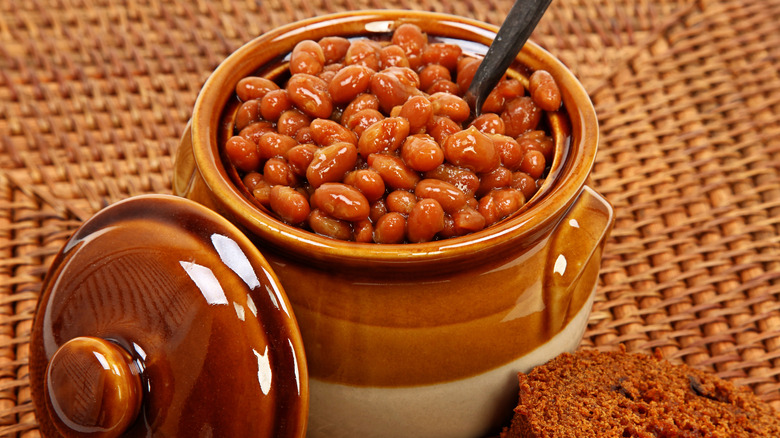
pixel 514 32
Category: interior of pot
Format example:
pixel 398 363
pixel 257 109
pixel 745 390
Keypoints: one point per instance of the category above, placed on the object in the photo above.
pixel 574 128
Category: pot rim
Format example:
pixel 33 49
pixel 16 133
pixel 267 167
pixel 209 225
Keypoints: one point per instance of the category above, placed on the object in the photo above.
pixel 525 227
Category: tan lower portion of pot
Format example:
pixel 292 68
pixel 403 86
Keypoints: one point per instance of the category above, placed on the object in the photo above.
pixel 465 408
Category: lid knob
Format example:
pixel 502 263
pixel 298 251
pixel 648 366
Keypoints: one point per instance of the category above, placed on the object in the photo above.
pixel 92 388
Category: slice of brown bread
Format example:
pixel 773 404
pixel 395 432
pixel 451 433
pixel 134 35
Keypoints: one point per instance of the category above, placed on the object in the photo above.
pixel 619 394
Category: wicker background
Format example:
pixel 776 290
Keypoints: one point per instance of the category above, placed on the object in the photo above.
pixel 94 95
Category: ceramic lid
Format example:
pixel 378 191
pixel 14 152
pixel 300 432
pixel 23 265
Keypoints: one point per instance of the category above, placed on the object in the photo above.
pixel 159 317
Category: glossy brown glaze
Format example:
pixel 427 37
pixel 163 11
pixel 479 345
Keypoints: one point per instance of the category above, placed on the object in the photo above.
pixel 410 330
pixel 190 302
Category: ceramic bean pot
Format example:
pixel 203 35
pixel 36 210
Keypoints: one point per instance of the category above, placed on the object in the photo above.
pixel 420 340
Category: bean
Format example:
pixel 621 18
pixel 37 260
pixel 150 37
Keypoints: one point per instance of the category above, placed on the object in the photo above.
pixel 432 73
pixel 544 90
pixel 292 121
pixel 364 101
pixel 520 115
pixel 303 136
pixel 425 220
pixel 442 127
pixel 393 86
pixel 444 86
pixel 489 123
pixel 254 87
pixel 392 56
pixel 310 94
pixel 448 231
pixel 363 119
pixel 523 182
pixel 368 181
pixel 444 54
pixel 449 105
pixel 277 171
pixel 418 110
pixel 254 131
pixel 494 102
pixel 247 113
pixel 533 164
pixel 363 231
pixel 242 153
pixel 349 82
pixel 273 104
pixel 300 157
pixel 252 179
pixel 465 180
pixel 415 61
pixel 509 150
pixel 362 52
pixel 505 91
pixel 272 144
pixel 468 220
pixel 307 57
pixel 401 201
pixel 322 224
pixel 498 178
pixel 421 153
pixel 466 70
pixel 262 193
pixel 488 209
pixel 510 88
pixel 378 209
pixel 327 75
pixel 327 132
pixel 499 204
pixel 390 228
pixel 411 38
pixel 290 205
pixel 538 140
pixel 447 195
pixel 341 201
pixel 465 60
pixel 334 67
pixel 334 48
pixel 386 135
pixel 394 171
pixel 331 163
pixel 471 149
pixel 508 201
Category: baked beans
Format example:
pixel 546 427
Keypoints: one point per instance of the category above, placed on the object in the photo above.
pixel 372 141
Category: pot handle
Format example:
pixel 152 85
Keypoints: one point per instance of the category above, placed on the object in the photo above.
pixel 187 180
pixel 574 254
pixel 184 167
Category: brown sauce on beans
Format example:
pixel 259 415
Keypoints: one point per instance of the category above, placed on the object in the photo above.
pixel 371 141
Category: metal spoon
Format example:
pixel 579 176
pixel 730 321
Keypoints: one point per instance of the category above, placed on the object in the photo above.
pixel 514 32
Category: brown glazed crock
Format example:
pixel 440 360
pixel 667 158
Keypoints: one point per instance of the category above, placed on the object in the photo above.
pixel 420 339
pixel 160 318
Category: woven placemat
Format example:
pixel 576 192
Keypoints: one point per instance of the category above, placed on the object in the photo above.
pixel 94 96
